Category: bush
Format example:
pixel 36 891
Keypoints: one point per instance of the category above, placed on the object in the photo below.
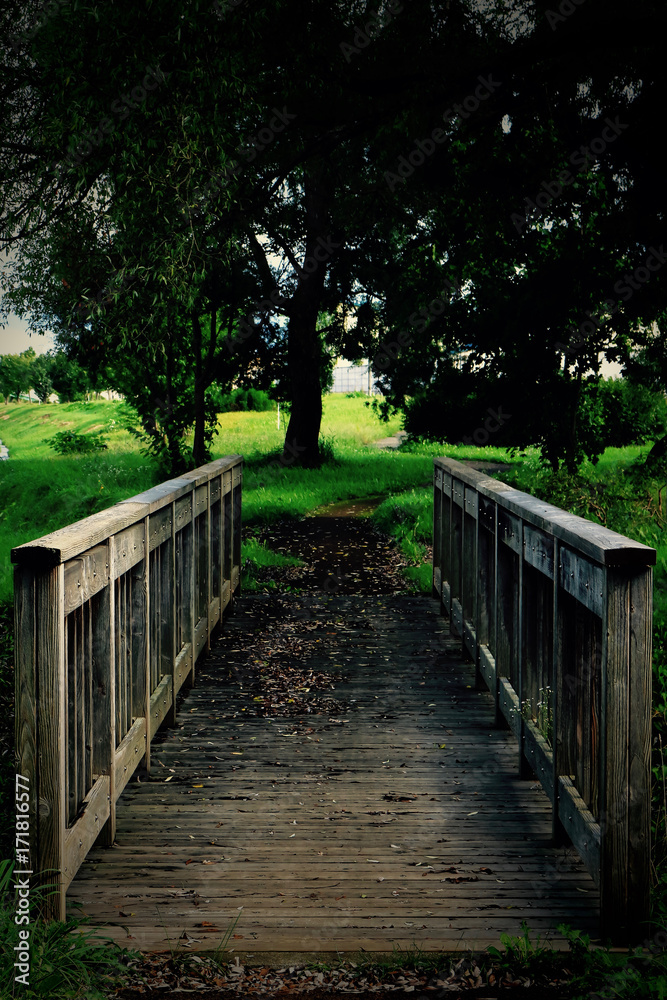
pixel 241 399
pixel 71 443
pixel 66 960
pixel 568 420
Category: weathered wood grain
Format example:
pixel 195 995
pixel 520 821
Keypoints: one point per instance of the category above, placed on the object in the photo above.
pixel 601 544
pixel 51 722
pixel 407 824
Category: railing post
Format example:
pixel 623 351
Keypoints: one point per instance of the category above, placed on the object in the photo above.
pixel 237 479
pixel 104 656
pixel 168 613
pixel 437 531
pixel 51 727
pixel 625 759
pixel 25 719
pixel 192 581
pixel 209 579
pixel 141 636
pixel 557 831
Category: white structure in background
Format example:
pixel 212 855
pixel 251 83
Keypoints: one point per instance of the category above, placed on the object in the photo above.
pixel 354 378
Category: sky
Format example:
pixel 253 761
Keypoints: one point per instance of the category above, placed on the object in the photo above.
pixel 14 338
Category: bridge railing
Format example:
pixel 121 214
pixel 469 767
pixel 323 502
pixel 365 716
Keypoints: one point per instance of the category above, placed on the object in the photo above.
pixel 556 613
pixel 111 614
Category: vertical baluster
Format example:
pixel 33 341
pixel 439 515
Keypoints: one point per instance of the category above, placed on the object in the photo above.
pixel 51 712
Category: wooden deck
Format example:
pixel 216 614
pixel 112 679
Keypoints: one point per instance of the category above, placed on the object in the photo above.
pixel 395 821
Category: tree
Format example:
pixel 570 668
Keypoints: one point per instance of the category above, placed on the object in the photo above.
pixel 15 373
pixel 419 146
pixel 40 377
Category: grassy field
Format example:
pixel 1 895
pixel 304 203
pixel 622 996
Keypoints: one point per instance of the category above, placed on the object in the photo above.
pixel 41 490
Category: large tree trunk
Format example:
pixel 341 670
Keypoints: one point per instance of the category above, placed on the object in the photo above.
pixel 303 341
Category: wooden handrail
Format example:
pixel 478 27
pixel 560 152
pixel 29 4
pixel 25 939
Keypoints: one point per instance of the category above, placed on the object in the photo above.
pixel 111 614
pixel 556 613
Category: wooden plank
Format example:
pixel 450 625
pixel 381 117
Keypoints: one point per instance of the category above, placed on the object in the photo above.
pixel 51 722
pixel 169 619
pixel 141 642
pixel 160 527
pixel 183 511
pixel 81 837
pixel 129 754
pixel 471 502
pixel 582 579
pixel 67 543
pixel 509 530
pixel 581 826
pixel 639 746
pixel 487 668
pixel 379 798
pixel 201 636
pixel 457 617
pixel 538 550
pixel 182 664
pixel 85 576
pixel 539 756
pixel 129 549
pixel 161 702
pixel 104 679
pixel 627 644
pixel 458 492
pixel 509 705
pixel 237 503
pixel 599 543
pixel 25 694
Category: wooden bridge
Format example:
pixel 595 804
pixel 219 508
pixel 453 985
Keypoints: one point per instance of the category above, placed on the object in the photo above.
pixel 407 811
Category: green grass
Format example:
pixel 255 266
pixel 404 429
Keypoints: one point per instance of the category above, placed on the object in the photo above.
pixel 65 959
pixel 408 517
pixel 254 555
pixel 41 491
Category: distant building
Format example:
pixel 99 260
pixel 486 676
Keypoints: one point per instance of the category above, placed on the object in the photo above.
pixel 354 378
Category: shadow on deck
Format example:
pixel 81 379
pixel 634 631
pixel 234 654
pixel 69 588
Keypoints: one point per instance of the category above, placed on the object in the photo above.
pixel 389 815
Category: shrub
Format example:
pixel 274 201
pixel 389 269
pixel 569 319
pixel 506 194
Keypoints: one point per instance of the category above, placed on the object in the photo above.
pixel 240 399
pixel 71 443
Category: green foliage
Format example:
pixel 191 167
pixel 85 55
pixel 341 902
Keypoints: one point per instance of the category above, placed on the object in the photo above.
pixel 254 555
pixel 15 373
pixel 69 380
pixel 40 377
pixel 570 419
pixel 67 961
pixel 240 400
pixel 71 443
pixel 408 517
pixel 641 973
pixel 520 952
